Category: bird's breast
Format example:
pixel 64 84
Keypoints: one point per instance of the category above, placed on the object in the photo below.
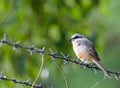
pixel 81 52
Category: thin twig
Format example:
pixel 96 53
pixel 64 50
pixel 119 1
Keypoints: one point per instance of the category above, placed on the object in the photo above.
pixel 63 74
pixel 98 83
pixel 40 70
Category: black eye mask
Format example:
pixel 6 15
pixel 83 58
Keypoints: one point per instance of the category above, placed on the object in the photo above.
pixel 76 37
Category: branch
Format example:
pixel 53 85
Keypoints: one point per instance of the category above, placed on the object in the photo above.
pixel 13 80
pixel 55 55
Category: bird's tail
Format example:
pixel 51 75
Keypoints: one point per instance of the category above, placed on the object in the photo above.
pixel 102 68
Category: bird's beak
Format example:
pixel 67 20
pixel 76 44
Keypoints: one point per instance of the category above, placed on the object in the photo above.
pixel 70 39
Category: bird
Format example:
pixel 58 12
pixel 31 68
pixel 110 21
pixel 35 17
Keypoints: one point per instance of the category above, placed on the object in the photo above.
pixel 85 51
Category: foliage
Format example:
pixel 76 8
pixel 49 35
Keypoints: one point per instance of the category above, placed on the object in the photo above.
pixel 51 23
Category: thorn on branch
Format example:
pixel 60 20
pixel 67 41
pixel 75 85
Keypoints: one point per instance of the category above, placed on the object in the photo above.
pixel 3 40
pixel 3 77
pixel 43 51
pixel 4 37
pixel 26 83
pixel 83 65
pixel 117 76
pixel 52 54
pixel 65 58
pixel 39 86
pixel 95 70
pixel 15 45
pixel 14 80
pixel 31 49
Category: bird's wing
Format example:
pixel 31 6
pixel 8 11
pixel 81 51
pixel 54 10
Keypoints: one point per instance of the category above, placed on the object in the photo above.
pixel 93 52
pixel 91 49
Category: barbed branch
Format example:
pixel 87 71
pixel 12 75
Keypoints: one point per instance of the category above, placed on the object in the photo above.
pixel 13 80
pixel 55 55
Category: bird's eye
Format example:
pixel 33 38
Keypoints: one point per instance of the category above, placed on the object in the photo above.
pixel 77 37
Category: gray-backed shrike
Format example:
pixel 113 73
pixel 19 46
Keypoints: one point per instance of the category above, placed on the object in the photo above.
pixel 85 51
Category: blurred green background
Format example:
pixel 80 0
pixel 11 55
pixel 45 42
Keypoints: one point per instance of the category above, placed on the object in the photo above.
pixel 51 23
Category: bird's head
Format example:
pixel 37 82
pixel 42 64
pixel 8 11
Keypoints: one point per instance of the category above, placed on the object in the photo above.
pixel 76 36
